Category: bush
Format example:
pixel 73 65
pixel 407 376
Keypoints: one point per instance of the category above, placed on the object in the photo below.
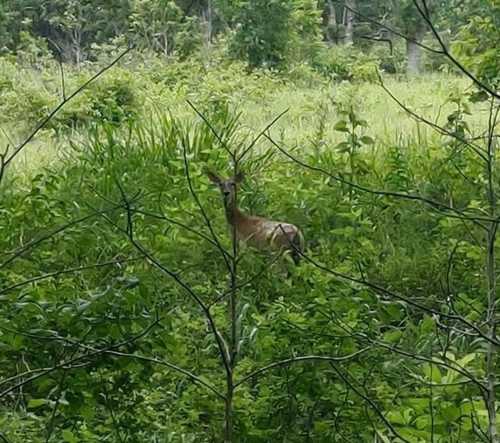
pixel 346 63
pixel 390 63
pixel 27 97
pixel 114 99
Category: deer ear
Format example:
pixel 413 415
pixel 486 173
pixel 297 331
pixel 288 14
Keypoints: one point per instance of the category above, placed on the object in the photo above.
pixel 213 177
pixel 238 178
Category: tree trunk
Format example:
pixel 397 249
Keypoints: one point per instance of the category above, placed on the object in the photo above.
pixel 228 415
pixel 491 354
pixel 233 333
pixel 491 280
pixel 331 22
pixel 349 22
pixel 414 53
pixel 209 22
pixel 76 37
pixel 207 26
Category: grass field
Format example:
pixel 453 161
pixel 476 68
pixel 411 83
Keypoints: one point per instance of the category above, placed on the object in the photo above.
pixel 312 105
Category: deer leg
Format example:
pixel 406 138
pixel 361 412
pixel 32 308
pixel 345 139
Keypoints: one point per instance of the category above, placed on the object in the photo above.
pixel 296 247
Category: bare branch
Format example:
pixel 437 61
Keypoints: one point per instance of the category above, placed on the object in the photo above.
pixel 386 292
pixel 370 402
pixel 249 280
pixel 261 133
pixel 443 49
pixel 68 364
pixel 424 12
pixel 455 213
pixel 49 117
pixel 178 223
pixel 67 271
pixel 223 350
pixel 217 135
pixel 391 30
pixel 142 358
pixel 169 365
pixel 30 245
pixel 452 365
pixel 208 223
pixel 443 131
pixel 305 358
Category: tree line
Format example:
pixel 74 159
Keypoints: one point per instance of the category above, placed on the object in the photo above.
pixel 263 33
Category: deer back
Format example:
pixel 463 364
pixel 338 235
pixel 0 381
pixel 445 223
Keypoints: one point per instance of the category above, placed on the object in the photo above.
pixel 263 233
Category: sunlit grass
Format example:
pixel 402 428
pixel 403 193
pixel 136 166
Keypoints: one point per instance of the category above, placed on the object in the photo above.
pixel 312 109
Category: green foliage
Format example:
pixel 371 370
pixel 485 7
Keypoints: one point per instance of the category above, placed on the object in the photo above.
pixel 27 98
pixel 115 99
pixel 263 34
pixel 309 312
pixel 346 63
pixel 123 142
pixel 272 33
pixel 159 26
pixel 476 44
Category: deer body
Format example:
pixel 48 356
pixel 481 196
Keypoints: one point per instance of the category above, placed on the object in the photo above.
pixel 259 232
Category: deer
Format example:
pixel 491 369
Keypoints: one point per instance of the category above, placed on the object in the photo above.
pixel 256 231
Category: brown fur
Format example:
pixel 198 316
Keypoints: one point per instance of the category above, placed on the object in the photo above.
pixel 259 232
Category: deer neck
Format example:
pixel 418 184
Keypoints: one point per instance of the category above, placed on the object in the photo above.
pixel 233 215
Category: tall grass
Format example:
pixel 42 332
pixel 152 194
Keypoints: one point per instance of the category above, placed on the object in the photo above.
pixel 139 92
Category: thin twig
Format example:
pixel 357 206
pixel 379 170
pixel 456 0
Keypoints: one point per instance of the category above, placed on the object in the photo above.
pixel 305 358
pixel 67 271
pixel 476 148
pixel 210 126
pixel 30 245
pixel 261 133
pixel 178 223
pixel 49 117
pixel 456 213
pixel 206 218
pixel 444 50
pixel 251 279
pixel 223 350
pixel 388 28
pixel 68 363
pixel 367 399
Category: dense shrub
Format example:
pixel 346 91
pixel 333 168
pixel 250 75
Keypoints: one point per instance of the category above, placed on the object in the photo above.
pixel 346 63
pixel 27 97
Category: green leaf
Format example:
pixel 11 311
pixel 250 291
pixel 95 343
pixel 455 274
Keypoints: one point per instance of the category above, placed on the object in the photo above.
pixel 427 325
pixel 384 438
pixel 392 336
pixel 367 140
pixel 432 372
pixel 343 147
pixel 37 402
pixel 396 417
pixel 422 422
pixel 450 413
pixel 69 437
pixel 341 126
pixel 464 361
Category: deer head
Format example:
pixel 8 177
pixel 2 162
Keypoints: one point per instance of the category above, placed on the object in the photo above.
pixel 226 186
